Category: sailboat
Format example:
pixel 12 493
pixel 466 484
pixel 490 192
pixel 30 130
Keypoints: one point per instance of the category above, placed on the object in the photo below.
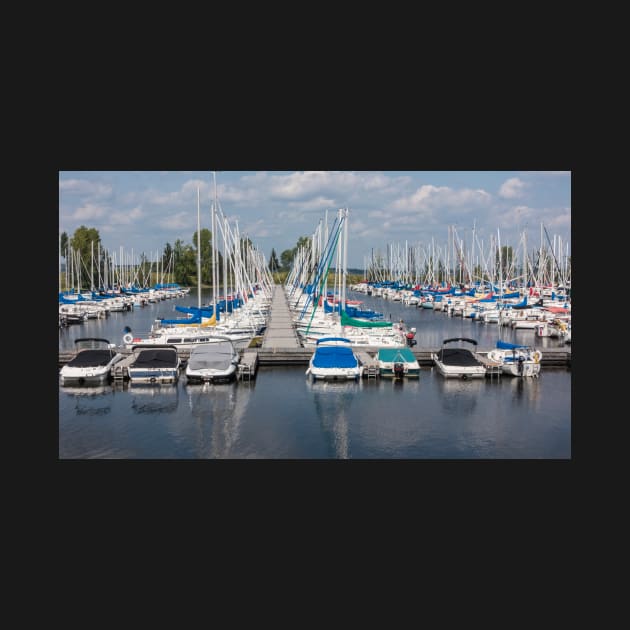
pixel 188 332
pixel 515 359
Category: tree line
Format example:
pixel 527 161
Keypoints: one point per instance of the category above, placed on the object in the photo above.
pixel 90 260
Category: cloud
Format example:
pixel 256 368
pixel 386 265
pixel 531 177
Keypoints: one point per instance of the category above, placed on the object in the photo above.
pixel 547 172
pixel 89 212
pixel 127 217
pixel 512 188
pixel 85 187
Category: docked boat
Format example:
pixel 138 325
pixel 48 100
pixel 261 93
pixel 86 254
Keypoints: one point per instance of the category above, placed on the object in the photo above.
pixel 516 360
pixel 92 364
pixel 334 359
pixel 397 362
pixel 458 362
pixel 154 364
pixel 216 361
pixel 185 337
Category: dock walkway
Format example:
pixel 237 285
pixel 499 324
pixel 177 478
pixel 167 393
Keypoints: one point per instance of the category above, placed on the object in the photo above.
pixel 280 332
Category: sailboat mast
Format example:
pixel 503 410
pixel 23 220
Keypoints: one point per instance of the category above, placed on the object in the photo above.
pixel 198 254
pixel 214 248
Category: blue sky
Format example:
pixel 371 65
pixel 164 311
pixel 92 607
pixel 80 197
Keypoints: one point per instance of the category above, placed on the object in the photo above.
pixel 144 210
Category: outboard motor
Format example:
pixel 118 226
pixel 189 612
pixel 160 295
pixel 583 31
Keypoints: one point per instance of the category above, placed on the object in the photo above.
pixel 399 370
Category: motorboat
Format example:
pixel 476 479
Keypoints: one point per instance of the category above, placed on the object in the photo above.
pixel 92 364
pixel 334 359
pixel 154 364
pixel 458 362
pixel 213 362
pixel 397 362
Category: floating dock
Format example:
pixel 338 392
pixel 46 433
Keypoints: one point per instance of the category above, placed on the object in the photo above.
pixel 281 345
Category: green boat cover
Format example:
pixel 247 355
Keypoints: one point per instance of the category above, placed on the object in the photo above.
pixel 346 320
pixel 396 355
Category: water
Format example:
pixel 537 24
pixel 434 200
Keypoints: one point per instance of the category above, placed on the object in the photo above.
pixel 283 415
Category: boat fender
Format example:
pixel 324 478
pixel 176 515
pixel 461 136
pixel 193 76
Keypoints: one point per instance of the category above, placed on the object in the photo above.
pixel 128 338
pixel 536 356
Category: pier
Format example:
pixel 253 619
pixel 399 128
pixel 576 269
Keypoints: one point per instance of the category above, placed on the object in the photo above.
pixel 281 345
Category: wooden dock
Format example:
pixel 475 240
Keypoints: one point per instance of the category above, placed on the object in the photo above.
pixel 281 345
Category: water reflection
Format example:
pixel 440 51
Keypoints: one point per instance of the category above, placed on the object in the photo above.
pixel 332 403
pixel 460 396
pixel 91 400
pixel 162 398
pixel 218 410
pixel 525 391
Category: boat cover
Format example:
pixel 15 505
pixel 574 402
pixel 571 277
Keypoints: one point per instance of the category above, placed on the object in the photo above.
pixel 346 320
pixel 506 345
pixel 460 357
pixel 156 358
pixel 215 356
pixel 334 357
pixel 91 358
pixel 395 355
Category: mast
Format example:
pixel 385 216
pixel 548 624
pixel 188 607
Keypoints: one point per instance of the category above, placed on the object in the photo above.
pixel 198 254
pixel 214 249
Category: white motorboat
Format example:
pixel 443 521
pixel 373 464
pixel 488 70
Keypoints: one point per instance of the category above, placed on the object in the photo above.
pixel 92 364
pixel 458 362
pixel 213 362
pixel 154 364
pixel 334 359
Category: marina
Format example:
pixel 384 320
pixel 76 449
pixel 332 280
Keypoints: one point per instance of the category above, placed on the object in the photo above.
pixel 433 350
pixel 272 410
pixel 281 346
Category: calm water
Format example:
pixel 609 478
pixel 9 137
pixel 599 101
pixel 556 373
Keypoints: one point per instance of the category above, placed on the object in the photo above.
pixel 283 415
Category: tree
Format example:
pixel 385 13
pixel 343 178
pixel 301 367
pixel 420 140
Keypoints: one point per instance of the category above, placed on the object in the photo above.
pixel 63 244
pixel 184 263
pixel 166 256
pixel 274 265
pixel 286 259
pixel 206 254
pixel 84 241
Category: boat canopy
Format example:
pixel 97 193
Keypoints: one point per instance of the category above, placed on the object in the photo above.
pixel 346 320
pixel 394 355
pixel 334 357
pixel 459 339
pixel 506 345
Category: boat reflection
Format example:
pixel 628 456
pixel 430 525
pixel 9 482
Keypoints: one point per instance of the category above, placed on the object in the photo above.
pixel 460 396
pixel 525 391
pixel 163 398
pixel 332 403
pixel 91 400
pixel 218 410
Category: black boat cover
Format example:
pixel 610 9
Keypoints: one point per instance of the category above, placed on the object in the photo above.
pixel 156 358
pixel 91 358
pixel 460 357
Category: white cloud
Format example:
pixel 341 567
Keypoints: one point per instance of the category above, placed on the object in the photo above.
pixel 126 217
pixel 84 187
pixel 547 172
pixel 89 212
pixel 512 188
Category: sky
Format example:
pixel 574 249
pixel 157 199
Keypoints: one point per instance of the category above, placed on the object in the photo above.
pixel 144 210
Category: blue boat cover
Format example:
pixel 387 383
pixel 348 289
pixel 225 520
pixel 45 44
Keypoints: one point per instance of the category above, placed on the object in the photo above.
pixel 334 357
pixel 506 345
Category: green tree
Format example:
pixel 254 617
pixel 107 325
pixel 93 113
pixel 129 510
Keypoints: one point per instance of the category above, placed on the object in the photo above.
pixel 274 265
pixel 206 254
pixel 166 255
pixel 184 263
pixel 286 259
pixel 63 244
pixel 82 243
